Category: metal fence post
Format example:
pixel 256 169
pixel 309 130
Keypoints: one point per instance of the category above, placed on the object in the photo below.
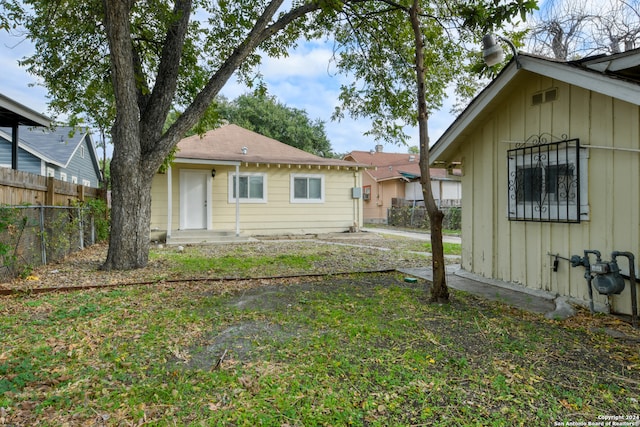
pixel 81 228
pixel 93 230
pixel 43 237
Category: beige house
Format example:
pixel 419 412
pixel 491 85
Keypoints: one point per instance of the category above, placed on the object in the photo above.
pixel 394 178
pixel 281 189
pixel 550 155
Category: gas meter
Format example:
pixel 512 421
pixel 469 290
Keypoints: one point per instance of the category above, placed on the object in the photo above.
pixel 607 279
pixel 605 275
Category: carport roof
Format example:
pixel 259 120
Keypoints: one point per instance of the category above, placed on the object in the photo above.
pixel 12 113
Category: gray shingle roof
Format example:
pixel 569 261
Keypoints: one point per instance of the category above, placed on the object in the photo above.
pixel 53 146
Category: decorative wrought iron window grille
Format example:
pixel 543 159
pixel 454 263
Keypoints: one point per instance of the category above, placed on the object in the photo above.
pixel 544 181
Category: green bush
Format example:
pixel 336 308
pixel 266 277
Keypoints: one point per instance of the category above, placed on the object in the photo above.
pixel 453 218
pixel 410 217
pixel 12 226
pixel 100 212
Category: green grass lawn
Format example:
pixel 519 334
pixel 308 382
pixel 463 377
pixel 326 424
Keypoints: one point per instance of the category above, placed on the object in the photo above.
pixel 354 350
pixel 449 248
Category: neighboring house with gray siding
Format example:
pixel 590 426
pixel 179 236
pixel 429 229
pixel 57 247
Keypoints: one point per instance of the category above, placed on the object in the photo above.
pixel 64 153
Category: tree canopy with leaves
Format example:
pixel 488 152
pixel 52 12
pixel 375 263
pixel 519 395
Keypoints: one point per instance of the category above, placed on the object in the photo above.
pixel 140 60
pixel 265 115
pixel 405 55
pixel 147 58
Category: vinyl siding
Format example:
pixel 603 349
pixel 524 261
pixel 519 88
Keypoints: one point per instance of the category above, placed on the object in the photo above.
pixel 278 216
pixel 83 168
pixel 27 162
pixel 518 252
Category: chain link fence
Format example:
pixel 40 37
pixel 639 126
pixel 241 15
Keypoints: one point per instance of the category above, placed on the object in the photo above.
pixel 36 235
pixel 417 217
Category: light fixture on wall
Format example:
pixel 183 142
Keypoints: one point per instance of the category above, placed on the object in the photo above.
pixel 213 173
pixel 493 54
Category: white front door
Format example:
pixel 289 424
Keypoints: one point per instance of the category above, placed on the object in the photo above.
pixel 194 191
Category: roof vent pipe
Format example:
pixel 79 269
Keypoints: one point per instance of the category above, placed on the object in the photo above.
pixel 244 150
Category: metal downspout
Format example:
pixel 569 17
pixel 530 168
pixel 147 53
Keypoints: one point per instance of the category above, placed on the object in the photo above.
pixel 632 283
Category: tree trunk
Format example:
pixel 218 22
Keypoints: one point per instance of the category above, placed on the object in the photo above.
pixel 130 177
pixel 139 146
pixel 130 214
pixel 439 290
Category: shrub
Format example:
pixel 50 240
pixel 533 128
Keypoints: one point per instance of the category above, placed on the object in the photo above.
pixel 100 212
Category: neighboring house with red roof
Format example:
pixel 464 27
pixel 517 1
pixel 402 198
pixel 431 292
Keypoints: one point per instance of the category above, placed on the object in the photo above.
pixel 232 181
pixel 394 179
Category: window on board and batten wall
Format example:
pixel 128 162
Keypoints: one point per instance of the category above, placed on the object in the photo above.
pixel 548 182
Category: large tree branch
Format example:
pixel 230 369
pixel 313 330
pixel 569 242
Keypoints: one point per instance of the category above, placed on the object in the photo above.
pixel 260 32
pixel 166 82
pixel 142 86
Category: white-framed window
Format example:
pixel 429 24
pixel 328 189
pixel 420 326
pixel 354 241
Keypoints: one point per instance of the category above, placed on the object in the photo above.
pixel 82 151
pixel 51 172
pixel 86 183
pixel 307 188
pixel 63 176
pixel 548 182
pixel 74 179
pixel 252 187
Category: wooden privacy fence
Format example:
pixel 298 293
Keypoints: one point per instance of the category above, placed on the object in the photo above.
pixel 24 188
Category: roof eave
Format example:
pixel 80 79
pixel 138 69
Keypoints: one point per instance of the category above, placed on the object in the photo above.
pixel 212 161
pixel 590 80
pixel 25 115
pixel 477 105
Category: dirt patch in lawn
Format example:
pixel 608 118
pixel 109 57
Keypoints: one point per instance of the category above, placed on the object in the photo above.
pixel 280 311
pixel 244 341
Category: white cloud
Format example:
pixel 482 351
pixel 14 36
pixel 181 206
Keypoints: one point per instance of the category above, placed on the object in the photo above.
pixel 302 80
pixel 309 61
pixel 15 82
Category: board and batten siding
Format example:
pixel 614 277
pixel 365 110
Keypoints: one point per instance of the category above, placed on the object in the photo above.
pixel 278 215
pixel 518 251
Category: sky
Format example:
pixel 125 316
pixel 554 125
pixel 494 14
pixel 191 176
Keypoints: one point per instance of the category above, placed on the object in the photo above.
pixel 303 80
